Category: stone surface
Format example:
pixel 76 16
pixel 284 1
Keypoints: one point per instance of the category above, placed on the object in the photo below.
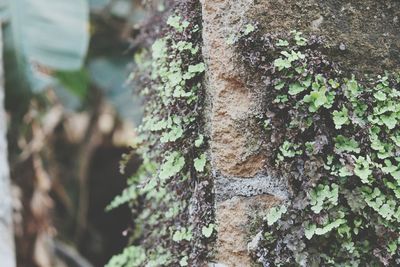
pixel 234 218
pixel 368 29
pixel 229 187
pixel 237 158
pixel 234 147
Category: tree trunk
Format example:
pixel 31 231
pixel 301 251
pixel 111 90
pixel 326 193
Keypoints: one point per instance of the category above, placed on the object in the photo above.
pixel 7 253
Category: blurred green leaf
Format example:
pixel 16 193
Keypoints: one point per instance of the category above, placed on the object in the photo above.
pixel 4 10
pixel 54 34
pixel 76 82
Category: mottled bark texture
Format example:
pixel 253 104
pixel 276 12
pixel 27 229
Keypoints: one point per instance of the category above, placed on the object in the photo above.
pixel 362 35
pixel 7 254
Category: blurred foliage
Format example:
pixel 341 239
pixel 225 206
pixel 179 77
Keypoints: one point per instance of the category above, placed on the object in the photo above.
pixel 54 59
pixel 47 37
pixel 75 81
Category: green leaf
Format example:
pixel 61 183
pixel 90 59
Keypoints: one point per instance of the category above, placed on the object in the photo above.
pixel 387 210
pixel 293 55
pixel 200 163
pixel 75 81
pixel 322 196
pixel 392 247
pixel 307 82
pixel 362 169
pixel 175 78
pixel 183 234
pixel 131 256
pixel 282 43
pixel 299 39
pixel 329 227
pixel 381 96
pixel 333 83
pixel 289 150
pixel 248 29
pixel 199 141
pixel 341 118
pixel 388 167
pixel 344 144
pixel 344 171
pixel 54 34
pixel 207 230
pixel 296 88
pixel 126 196
pixel 309 231
pixel 389 120
pixel 396 175
pixel 175 22
pixel 174 134
pixel 282 63
pixel 200 67
pixel 316 99
pixel 279 85
pixel 274 214
pixel 173 165
pixel 159 49
pixel 281 99
pixel 353 89
pixel 184 261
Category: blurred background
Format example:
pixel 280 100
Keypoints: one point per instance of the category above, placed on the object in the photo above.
pixel 71 111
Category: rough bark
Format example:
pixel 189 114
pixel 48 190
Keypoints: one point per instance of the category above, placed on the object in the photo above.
pixel 7 254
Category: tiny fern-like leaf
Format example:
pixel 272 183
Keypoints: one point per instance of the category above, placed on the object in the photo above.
pixel 275 214
pixel 200 163
pixel 207 230
pixel 172 165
